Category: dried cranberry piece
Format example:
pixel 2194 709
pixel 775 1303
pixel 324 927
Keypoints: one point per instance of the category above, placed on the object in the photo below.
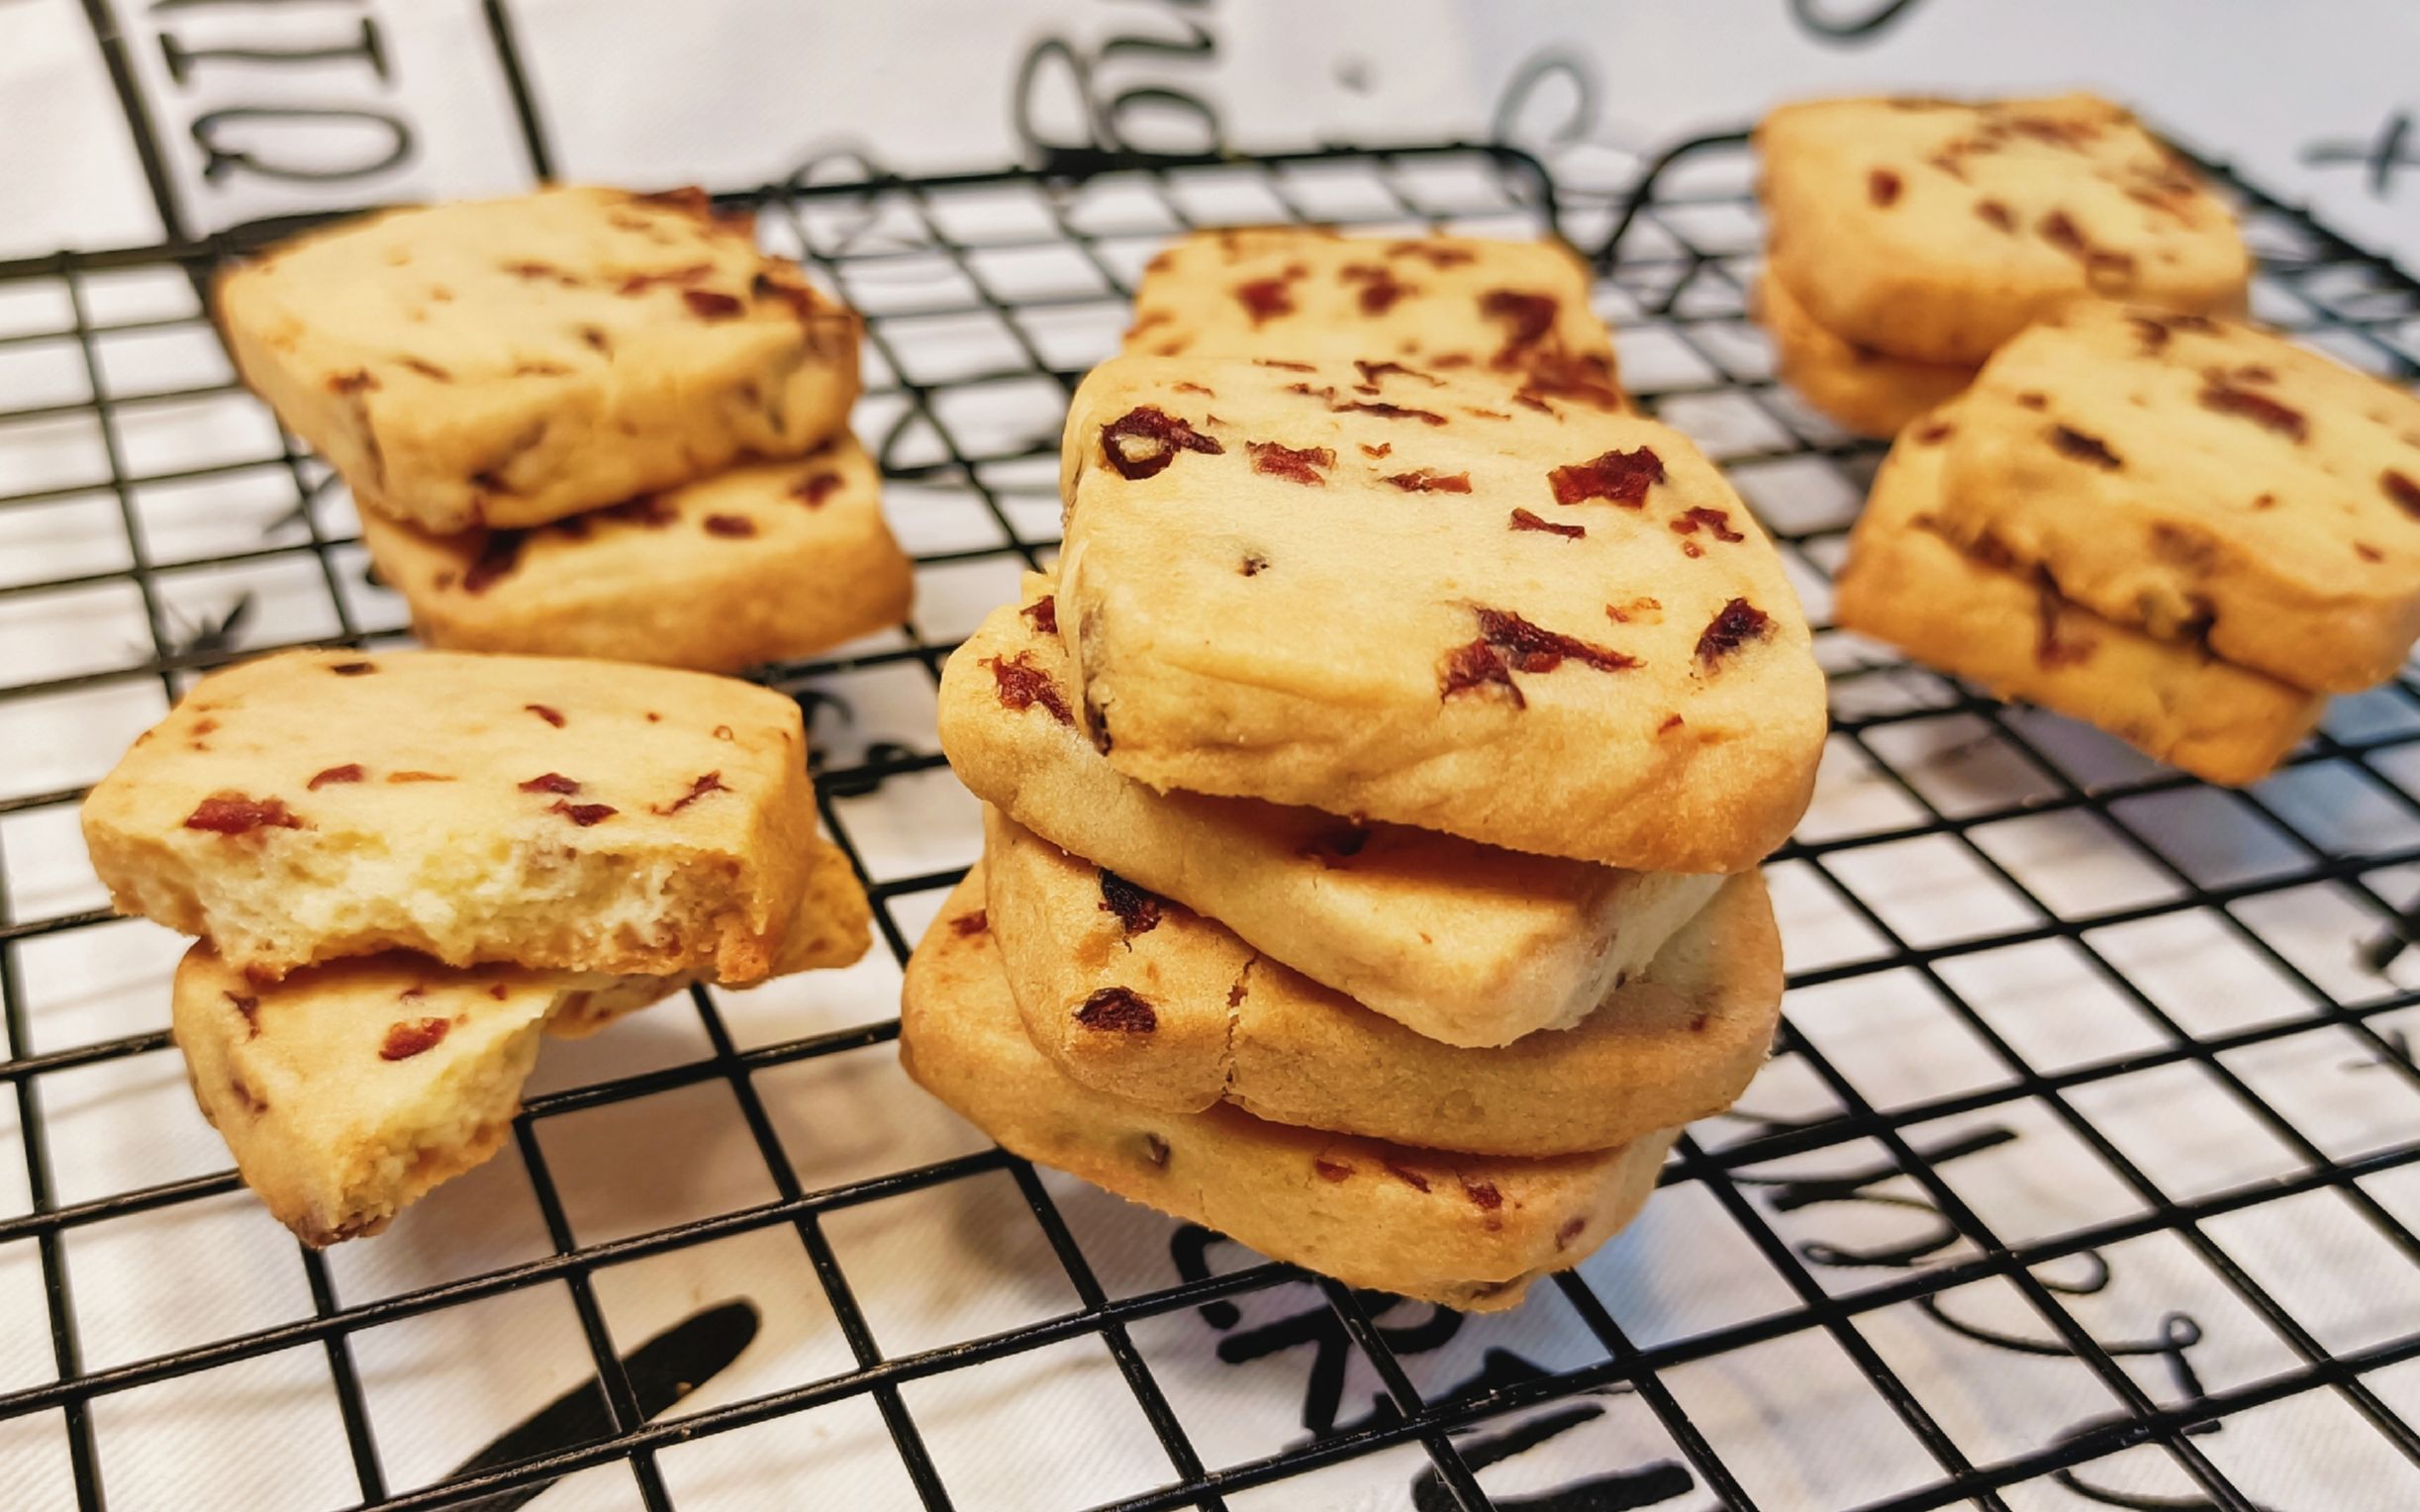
pixel 729 526
pixel 1528 318
pixel 1141 443
pixel 1137 910
pixel 1424 480
pixel 710 781
pixel 1715 522
pixel 1021 685
pixel 968 926
pixel 1883 187
pixel 547 712
pixel 352 668
pixel 2259 409
pixel 1393 411
pixel 351 772
pixel 1380 290
pixel 1429 251
pixel 583 814
pixel 351 383
pixel 1044 613
pixel 2402 490
pixel 1330 1170
pixel 1484 1196
pixel 1120 1010
pixel 413 1037
pixel 815 487
pixel 1265 299
pixel 1522 519
pixel 2084 448
pixel 1291 367
pixel 497 554
pixel 1534 648
pixel 1407 1176
pixel 1294 464
pixel 1622 476
pixel 1477 666
pixel 1733 626
pixel 641 510
pixel 711 305
pixel 1587 377
pixel 551 782
pixel 1995 214
pixel 232 813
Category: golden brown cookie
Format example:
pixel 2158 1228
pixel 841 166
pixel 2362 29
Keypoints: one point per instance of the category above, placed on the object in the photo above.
pixel 1864 391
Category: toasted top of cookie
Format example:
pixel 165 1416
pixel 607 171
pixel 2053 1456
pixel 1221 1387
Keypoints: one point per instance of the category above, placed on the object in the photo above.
pixel 1517 309
pixel 2202 476
pixel 413 750
pixel 401 308
pixel 1890 215
pixel 1378 590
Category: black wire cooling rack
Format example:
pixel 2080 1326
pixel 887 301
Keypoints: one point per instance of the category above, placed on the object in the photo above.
pixel 1674 262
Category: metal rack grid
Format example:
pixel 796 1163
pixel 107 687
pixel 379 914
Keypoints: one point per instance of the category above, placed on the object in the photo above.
pixel 1674 266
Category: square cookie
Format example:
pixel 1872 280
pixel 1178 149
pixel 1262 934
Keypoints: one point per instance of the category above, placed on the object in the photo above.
pixel 1935 231
pixel 1868 392
pixel 1518 310
pixel 762 562
pixel 1995 624
pixel 2201 479
pixel 508 362
pixel 1465 943
pixel 1400 595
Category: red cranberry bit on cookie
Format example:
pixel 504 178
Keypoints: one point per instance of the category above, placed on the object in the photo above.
pixel 1021 685
pixel 1044 612
pixel 1484 1196
pixel 2084 448
pixel 1522 519
pixel 1120 1010
pixel 1408 1176
pixel 583 814
pixel 1380 288
pixel 1995 214
pixel 1137 912
pixel 1588 377
pixel 1424 480
pixel 1265 299
pixel 413 1037
pixel 352 668
pixel 1534 648
pixel 1715 522
pixel 551 782
pixel 1295 465
pixel 497 557
pixel 551 716
pixel 1938 430
pixel 1733 626
pixel 1141 443
pixel 729 526
pixel 232 813
pixel 1330 1170
pixel 1571 1230
pixel 1883 187
pixel 1527 317
pixel 353 382
pixel 1622 476
pixel 710 305
pixel 815 487
pixel 2402 490
pixel 967 925
pixel 1387 411
pixel 1477 666
pixel 2259 409
pixel 351 772
pixel 711 781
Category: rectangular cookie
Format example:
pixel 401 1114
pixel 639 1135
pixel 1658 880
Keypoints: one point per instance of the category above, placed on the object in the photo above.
pixel 1139 997
pixel 1465 943
pixel 1402 596
pixel 2202 480
pixel 761 563
pixel 1935 231
pixel 508 362
pixel 1516 309
pixel 1464 1231
pixel 1864 391
pixel 349 1090
pixel 1997 625
pixel 571 815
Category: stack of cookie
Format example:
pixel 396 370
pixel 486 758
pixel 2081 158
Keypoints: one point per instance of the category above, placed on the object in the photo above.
pixel 582 423
pixel 1375 796
pixel 2186 531
pixel 405 866
pixel 1907 238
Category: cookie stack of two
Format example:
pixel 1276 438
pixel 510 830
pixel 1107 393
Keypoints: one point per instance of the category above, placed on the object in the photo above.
pixel 582 423
pixel 1373 799
pixel 2184 530
pixel 1907 238
pixel 406 867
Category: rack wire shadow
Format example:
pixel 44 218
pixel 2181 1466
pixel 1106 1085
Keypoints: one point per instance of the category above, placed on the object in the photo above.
pixel 1675 256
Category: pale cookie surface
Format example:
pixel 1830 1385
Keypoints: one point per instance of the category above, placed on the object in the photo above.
pixel 1396 594
pixel 348 1091
pixel 2202 480
pixel 557 814
pixel 1864 391
pixel 508 362
pixel 1460 1230
pixel 1999 626
pixel 1936 230
pixel 1515 309
pixel 1462 942
pixel 762 562
pixel 1134 994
